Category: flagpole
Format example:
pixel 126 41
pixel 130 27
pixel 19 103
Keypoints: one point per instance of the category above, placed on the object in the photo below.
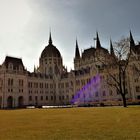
pixel 94 41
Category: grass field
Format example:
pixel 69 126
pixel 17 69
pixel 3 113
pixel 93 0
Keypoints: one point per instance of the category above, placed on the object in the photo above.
pixel 107 123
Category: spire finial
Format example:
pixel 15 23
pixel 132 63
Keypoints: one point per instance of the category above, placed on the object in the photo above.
pixel 132 43
pixel 111 48
pixel 34 69
pixel 76 43
pixel 50 38
pixel 98 44
pixel 77 54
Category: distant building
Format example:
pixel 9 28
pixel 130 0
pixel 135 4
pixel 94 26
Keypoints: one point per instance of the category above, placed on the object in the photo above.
pixel 52 84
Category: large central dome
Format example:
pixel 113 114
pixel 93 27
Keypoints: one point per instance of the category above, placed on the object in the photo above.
pixel 50 50
pixel 50 62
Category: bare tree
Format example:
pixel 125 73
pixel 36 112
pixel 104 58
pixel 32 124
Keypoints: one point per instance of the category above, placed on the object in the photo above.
pixel 122 53
pixel 117 67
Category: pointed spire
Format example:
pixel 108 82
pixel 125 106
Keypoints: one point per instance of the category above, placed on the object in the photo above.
pixel 50 39
pixel 76 43
pixel 98 44
pixel 132 43
pixel 111 48
pixel 77 54
pixel 34 69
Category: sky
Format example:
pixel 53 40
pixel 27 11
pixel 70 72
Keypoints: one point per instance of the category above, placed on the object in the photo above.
pixel 25 26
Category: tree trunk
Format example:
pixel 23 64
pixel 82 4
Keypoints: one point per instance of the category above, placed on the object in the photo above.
pixel 124 101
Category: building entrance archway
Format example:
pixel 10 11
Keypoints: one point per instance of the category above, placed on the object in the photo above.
pixel 10 102
pixel 20 102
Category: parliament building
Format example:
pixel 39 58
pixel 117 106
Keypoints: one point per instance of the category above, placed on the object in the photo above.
pixel 52 85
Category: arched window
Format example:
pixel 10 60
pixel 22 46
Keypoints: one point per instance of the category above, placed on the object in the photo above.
pixel 104 93
pixel 10 66
pixel 30 98
pixel 56 69
pixel 96 94
pixel 20 68
pixel 50 70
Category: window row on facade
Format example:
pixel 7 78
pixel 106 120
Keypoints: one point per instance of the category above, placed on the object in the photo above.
pixel 40 85
pixel 11 82
pixel 11 90
pixel 52 98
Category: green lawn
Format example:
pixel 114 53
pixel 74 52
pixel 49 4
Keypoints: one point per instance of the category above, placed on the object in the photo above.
pixel 106 123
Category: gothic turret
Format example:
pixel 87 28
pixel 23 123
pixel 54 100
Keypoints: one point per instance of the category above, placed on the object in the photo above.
pixel 77 57
pixel 98 44
pixel 77 54
pixel 132 43
pixel 111 49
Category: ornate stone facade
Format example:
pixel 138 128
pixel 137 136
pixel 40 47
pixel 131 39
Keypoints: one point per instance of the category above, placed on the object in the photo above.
pixel 51 84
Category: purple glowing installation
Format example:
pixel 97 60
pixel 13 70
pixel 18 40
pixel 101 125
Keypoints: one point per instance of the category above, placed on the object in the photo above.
pixel 85 95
